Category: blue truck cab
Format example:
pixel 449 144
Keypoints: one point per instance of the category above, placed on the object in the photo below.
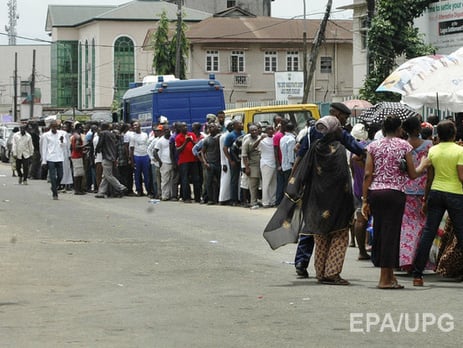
pixel 187 101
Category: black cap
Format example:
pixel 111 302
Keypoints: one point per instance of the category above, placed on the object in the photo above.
pixel 341 107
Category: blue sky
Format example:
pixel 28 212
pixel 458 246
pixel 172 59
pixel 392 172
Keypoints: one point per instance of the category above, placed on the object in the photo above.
pixel 32 14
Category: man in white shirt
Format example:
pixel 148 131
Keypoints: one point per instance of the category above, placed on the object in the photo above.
pixel 288 156
pixel 163 155
pixel 140 159
pixel 268 168
pixel 22 149
pixel 53 143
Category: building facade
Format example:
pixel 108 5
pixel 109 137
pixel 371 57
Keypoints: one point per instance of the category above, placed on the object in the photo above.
pixel 98 50
pixel 245 53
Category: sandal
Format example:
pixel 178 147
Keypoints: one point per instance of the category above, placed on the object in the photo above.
pixel 334 281
pixel 393 286
pixel 363 257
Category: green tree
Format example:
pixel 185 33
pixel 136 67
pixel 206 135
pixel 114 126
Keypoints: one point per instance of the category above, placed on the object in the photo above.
pixel 162 60
pixel 164 44
pixel 184 44
pixel 392 35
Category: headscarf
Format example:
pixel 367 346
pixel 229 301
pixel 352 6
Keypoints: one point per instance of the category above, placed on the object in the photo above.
pixel 327 124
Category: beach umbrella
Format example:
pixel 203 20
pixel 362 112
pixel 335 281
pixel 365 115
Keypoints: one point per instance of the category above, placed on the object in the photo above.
pixel 434 81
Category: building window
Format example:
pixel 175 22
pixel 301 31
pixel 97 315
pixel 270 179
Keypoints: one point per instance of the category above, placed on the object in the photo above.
pixel 124 65
pixel 231 3
pixel 326 64
pixel 212 61
pixel 363 31
pixel 292 61
pixel 270 61
pixel 237 61
pixel 64 73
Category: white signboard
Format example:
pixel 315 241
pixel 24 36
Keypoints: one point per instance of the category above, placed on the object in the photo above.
pixel 289 84
pixel 446 25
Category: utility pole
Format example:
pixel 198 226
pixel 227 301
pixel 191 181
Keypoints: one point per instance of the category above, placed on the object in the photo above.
pixel 315 49
pixel 178 52
pixel 304 49
pixel 31 114
pixel 15 88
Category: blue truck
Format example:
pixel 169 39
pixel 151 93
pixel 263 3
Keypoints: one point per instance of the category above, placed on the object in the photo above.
pixel 187 101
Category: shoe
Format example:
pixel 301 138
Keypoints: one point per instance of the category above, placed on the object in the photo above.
pixel 363 257
pixel 211 203
pixel 187 201
pixel 20 180
pixel 418 281
pixel 334 281
pixel 25 182
pixel 55 198
pixel 301 271
pixel 254 207
pixel 99 195
pixel 79 193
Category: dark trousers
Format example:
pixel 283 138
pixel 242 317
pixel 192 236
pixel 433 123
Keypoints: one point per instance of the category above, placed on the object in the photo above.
pixel 438 203
pixel 35 167
pixel 234 182
pixel 280 186
pixel 213 182
pixel 189 171
pixel 304 251
pixel 22 167
pixel 55 172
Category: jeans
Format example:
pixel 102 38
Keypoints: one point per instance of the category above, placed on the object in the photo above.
pixel 304 251
pixel 438 203
pixel 142 166
pixel 55 172
pixel 190 171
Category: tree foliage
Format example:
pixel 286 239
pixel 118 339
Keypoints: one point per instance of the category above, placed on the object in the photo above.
pixel 392 35
pixel 165 47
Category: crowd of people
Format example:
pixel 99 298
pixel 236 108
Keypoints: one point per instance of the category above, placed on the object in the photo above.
pixel 402 178
pixel 399 177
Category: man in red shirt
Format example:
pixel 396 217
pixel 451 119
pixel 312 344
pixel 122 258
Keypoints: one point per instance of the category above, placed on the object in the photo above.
pixel 187 164
pixel 77 158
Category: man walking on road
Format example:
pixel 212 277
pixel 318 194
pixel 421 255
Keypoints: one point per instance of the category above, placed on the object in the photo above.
pixel 52 151
pixel 22 149
pixel 107 145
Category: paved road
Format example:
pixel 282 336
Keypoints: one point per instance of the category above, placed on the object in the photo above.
pixel 86 272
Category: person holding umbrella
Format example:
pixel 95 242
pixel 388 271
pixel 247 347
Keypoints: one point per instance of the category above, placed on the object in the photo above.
pixel 383 196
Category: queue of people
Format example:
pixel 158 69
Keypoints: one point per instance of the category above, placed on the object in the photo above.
pixel 339 180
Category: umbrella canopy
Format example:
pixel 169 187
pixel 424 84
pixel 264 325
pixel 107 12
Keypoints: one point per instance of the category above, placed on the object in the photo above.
pixel 377 113
pixel 434 81
pixel 356 106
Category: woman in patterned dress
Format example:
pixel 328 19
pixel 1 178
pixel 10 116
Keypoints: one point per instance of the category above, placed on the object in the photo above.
pixel 384 197
pixel 413 219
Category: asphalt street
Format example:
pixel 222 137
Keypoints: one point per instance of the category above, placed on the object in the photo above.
pixel 122 272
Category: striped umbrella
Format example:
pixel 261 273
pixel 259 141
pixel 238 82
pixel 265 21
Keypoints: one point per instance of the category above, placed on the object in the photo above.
pixel 377 113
